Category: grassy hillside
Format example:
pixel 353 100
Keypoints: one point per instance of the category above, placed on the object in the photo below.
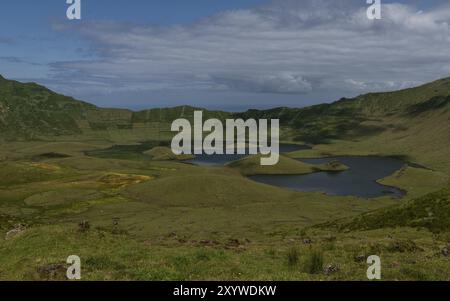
pixel 412 123
pixel 431 211
pixel 27 110
pixel 30 111
pixel 339 119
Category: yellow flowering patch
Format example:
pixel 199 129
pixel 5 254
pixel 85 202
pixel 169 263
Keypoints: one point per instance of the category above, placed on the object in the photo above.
pixel 46 166
pixel 121 180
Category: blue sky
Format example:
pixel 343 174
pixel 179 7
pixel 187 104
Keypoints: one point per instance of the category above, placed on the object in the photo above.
pixel 29 24
pixel 228 54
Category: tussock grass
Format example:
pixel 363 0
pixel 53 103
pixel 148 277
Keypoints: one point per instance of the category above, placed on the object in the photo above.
pixel 314 262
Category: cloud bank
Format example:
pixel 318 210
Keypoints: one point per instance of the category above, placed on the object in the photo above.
pixel 288 47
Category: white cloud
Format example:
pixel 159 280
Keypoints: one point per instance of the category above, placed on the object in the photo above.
pixel 285 82
pixel 287 47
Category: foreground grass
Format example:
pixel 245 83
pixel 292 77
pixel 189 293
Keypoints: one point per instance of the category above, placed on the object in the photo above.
pixel 407 254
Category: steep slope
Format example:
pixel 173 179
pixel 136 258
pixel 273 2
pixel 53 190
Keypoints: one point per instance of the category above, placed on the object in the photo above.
pixel 348 118
pixel 27 110
pixel 31 111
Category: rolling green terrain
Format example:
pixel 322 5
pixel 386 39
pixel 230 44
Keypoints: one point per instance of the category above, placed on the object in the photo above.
pixel 102 184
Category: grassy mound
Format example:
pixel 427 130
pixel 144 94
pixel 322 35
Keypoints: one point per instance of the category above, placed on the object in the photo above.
pixel 162 153
pixel 252 166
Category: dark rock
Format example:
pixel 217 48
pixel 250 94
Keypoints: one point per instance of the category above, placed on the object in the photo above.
pixel 403 246
pixel 331 268
pixel 234 244
pixel 84 226
pixel 55 271
pixel 360 258
pixel 207 242
pixel 18 229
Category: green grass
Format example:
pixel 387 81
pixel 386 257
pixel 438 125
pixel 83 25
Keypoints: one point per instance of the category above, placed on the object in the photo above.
pixel 189 222
pixel 162 153
pixel 107 256
pixel 431 211
pixel 183 222
pixel 417 181
pixel 154 218
pixel 314 263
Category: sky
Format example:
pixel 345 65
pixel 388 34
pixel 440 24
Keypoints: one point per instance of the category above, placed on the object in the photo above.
pixel 223 54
